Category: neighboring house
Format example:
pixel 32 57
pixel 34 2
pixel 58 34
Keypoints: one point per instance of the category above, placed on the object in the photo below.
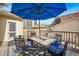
pixel 10 26
pixel 34 31
pixel 69 28
pixel 64 18
pixel 30 23
pixel 68 23
pixel 27 22
pixel 69 17
pixel 71 25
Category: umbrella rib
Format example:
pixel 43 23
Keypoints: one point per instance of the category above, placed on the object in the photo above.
pixel 48 12
pixel 41 4
pixel 25 9
pixel 30 12
pixel 37 5
pixel 46 7
pixel 34 4
pixel 53 8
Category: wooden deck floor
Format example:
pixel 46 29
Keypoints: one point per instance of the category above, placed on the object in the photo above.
pixel 70 51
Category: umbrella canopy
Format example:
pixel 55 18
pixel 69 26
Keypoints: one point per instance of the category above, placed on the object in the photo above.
pixel 38 11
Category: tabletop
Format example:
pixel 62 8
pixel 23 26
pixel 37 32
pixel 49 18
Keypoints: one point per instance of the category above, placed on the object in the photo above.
pixel 46 42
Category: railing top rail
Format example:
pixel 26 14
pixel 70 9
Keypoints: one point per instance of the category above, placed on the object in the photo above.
pixel 64 31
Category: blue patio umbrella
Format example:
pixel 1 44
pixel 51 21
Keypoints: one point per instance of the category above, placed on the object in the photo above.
pixel 38 11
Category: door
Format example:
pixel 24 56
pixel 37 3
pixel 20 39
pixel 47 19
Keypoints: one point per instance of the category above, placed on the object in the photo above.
pixel 11 30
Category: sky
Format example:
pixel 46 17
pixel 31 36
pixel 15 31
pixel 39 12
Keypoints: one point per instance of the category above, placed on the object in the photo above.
pixel 71 8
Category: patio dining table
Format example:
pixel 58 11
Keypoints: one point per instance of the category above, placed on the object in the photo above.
pixel 45 42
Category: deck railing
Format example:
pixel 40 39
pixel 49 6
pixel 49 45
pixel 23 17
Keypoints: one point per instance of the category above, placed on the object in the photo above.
pixel 72 37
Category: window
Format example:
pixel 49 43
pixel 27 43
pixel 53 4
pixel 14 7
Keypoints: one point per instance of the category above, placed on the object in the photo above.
pixel 12 29
pixel 12 26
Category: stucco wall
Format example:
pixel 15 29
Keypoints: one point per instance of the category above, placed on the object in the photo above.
pixel 2 28
pixel 3 32
pixel 19 28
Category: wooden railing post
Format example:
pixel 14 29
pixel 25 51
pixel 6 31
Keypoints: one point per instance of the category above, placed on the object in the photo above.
pixel 78 39
pixel 72 38
pixel 75 40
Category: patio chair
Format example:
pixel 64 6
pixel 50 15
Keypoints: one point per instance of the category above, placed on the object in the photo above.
pixel 29 42
pixel 19 43
pixel 57 37
pixel 58 49
pixel 65 49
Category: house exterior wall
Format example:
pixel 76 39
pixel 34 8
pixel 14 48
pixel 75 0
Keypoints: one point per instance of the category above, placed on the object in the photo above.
pixel 19 28
pixel 4 32
pixel 2 28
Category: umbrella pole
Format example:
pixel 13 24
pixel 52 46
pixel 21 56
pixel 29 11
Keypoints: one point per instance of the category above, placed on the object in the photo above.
pixel 39 29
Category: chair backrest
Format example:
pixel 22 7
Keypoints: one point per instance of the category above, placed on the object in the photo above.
pixel 58 36
pixel 19 42
pixel 65 48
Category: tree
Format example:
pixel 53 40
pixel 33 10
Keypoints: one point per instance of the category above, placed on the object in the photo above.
pixel 56 21
pixel 3 4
